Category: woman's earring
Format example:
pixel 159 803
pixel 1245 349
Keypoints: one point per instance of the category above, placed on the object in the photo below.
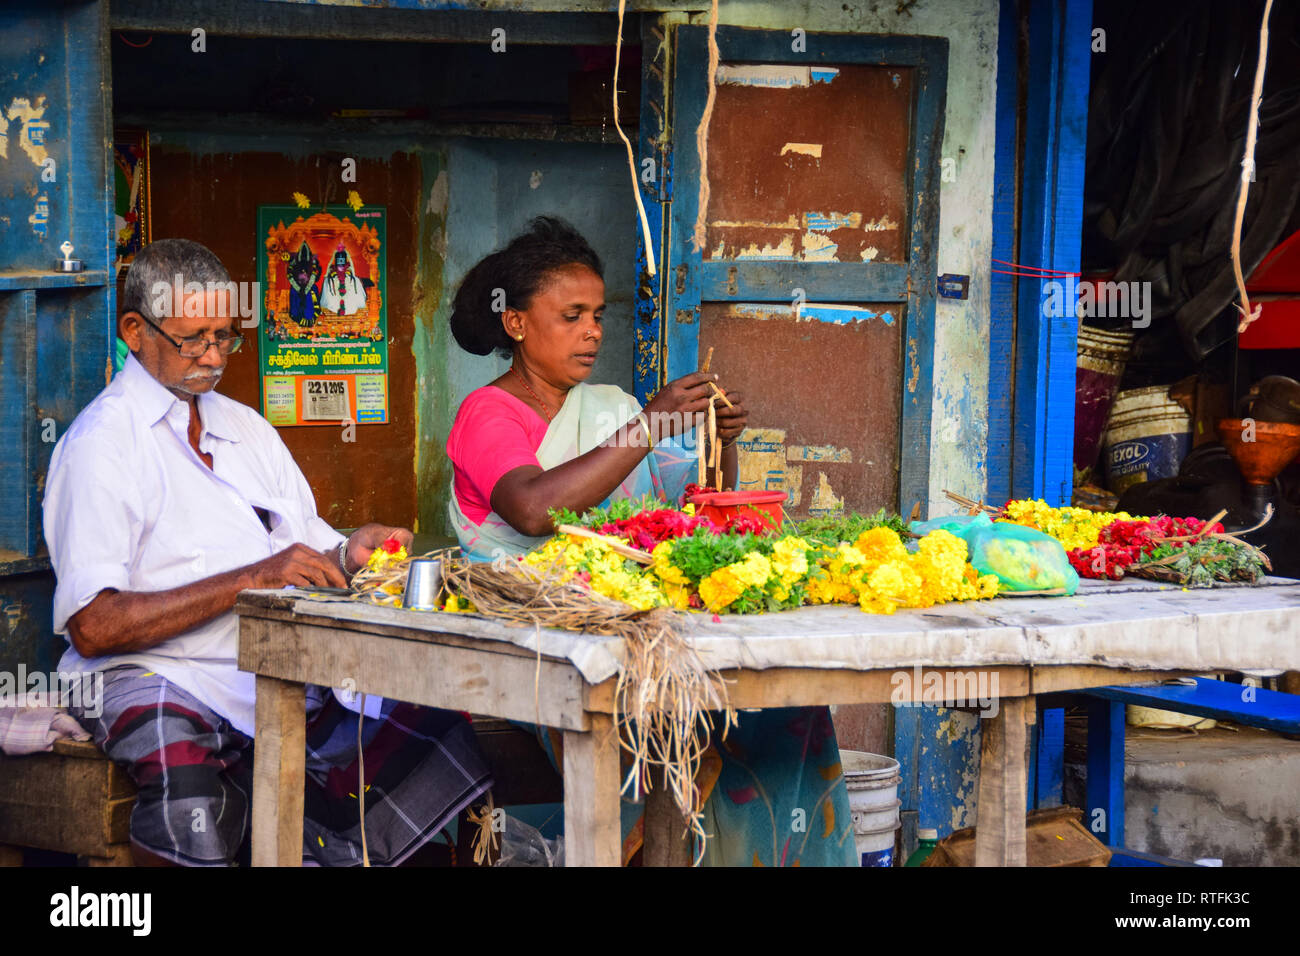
pixel 519 338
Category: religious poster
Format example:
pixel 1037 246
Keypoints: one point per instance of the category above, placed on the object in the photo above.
pixel 323 329
pixel 131 207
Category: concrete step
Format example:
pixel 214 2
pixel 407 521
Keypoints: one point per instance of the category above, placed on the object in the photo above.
pixel 1230 792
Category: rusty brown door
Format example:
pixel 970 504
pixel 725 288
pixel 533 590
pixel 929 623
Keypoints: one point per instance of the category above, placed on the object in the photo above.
pixel 815 281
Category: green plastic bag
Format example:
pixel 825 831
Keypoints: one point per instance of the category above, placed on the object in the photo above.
pixel 953 524
pixel 1023 559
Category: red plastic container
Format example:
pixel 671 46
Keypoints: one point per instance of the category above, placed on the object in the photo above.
pixel 721 506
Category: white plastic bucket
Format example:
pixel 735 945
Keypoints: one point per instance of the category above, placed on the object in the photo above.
pixel 872 781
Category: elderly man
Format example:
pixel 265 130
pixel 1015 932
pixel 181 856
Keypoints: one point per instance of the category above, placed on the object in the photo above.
pixel 164 500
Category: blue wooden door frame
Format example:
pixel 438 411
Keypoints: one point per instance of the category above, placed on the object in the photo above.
pixel 1032 355
pixel 689 280
pixel 1031 358
pixel 54 326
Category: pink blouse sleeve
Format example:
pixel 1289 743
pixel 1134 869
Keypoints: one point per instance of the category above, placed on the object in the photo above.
pixel 494 433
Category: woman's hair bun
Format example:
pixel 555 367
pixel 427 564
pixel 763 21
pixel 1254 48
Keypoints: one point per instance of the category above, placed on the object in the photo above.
pixel 510 277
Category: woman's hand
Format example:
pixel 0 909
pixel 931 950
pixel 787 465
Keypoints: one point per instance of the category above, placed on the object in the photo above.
pixel 731 421
pixel 674 409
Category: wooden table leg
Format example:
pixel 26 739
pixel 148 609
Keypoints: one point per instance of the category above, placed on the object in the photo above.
pixel 592 835
pixel 666 841
pixel 279 772
pixel 1003 786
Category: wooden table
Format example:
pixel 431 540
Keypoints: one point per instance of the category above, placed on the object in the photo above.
pixel 1118 635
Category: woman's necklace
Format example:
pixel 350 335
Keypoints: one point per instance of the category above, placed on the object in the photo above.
pixel 545 408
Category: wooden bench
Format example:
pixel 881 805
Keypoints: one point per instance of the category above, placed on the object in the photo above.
pixel 75 800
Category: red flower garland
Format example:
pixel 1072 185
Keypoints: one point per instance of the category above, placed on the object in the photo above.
pixel 1123 543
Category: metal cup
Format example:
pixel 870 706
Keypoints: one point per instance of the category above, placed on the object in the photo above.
pixel 423 584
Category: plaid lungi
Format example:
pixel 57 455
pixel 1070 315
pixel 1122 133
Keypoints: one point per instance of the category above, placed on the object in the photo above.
pixel 194 772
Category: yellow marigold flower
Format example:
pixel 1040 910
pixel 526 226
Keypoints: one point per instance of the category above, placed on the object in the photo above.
pixel 1073 527
pixel 678 595
pixel 458 605
pixel 940 542
pixel 753 571
pixel 888 579
pixel 790 560
pixel 719 589
pixel 663 566
pixel 381 560
pixel 849 556
pixel 872 603
pixel 878 545
pixel 821 590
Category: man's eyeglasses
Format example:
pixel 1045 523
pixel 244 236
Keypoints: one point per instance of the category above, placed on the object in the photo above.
pixel 196 347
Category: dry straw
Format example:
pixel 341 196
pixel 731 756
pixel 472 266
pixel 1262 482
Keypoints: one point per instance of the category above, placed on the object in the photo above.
pixel 664 695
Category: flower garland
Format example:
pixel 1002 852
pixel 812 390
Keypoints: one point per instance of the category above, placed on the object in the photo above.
pixel 1073 527
pixel 1106 545
pixel 745 573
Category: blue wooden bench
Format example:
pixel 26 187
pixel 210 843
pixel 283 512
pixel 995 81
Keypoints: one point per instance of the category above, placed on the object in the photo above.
pixel 1200 696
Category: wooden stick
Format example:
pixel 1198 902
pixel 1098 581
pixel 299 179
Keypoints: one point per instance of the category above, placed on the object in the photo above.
pixel 715 456
pixel 614 544
pixel 701 470
pixel 704 366
pixel 717 393
pixel 970 502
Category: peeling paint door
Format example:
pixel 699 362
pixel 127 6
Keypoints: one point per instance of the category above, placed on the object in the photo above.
pixel 815 280
pixel 54 326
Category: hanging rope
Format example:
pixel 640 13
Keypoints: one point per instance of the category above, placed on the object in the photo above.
pixel 631 155
pixel 1249 315
pixel 702 133
pixel 361 781
pixel 485 837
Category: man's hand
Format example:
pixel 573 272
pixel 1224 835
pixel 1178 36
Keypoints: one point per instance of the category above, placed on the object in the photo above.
pixel 117 622
pixel 300 566
pixel 370 536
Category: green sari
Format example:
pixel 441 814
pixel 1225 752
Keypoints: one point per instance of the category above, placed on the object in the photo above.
pixel 775 794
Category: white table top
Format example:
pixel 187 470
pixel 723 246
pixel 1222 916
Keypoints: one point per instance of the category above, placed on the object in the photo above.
pixel 1131 624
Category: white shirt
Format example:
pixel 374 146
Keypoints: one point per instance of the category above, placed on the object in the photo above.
pixel 130 506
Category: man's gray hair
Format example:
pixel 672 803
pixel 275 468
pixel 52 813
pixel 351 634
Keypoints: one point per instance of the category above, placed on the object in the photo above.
pixel 158 265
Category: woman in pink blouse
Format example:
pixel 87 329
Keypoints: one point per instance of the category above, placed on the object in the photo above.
pixel 539 437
